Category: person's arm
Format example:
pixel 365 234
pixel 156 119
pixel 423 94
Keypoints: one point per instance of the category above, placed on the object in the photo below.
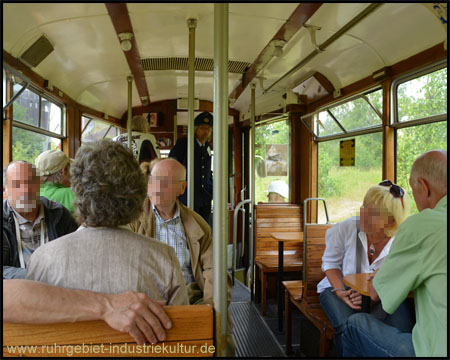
pixel 373 293
pixel 177 294
pixel 351 297
pixel 32 302
pixel 332 264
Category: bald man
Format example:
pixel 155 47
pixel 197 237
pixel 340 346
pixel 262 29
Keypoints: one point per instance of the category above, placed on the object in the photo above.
pixel 29 221
pixel 168 220
pixel 416 262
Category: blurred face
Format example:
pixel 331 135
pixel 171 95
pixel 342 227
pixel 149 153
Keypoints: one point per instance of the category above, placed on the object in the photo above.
pixel 165 185
pixel 203 132
pixel 23 187
pixel 274 197
pixel 373 220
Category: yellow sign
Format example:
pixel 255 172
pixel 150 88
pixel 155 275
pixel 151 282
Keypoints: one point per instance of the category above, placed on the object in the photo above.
pixel 347 153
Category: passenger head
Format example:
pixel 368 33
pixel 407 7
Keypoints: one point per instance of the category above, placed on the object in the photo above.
pixel 54 167
pixel 384 209
pixel 108 184
pixel 203 126
pixel 428 179
pixel 140 123
pixel 22 186
pixel 278 191
pixel 167 181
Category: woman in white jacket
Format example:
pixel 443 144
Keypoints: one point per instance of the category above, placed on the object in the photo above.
pixel 360 245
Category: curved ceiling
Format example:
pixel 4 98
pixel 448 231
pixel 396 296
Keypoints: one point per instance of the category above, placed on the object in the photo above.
pixel 89 66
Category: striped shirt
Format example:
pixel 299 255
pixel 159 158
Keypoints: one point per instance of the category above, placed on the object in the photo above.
pixel 171 232
pixel 30 233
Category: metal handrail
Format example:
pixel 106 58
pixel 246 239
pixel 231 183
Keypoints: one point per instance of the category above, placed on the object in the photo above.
pixel 236 211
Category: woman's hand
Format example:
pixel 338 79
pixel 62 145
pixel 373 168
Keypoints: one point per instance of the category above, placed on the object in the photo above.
pixel 351 297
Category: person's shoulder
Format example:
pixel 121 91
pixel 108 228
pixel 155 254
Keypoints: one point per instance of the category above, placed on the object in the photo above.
pixel 196 216
pixel 50 204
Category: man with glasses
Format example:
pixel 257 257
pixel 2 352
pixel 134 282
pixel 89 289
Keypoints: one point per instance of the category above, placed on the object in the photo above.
pixel 29 221
pixel 416 262
pixel 203 182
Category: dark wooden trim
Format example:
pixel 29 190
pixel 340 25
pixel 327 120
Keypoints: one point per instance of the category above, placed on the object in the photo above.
pixel 298 18
pixel 388 134
pixel 7 127
pixel 237 158
pixel 118 12
pixel 38 81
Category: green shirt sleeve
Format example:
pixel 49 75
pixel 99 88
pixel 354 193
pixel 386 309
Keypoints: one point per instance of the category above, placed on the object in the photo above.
pixel 401 271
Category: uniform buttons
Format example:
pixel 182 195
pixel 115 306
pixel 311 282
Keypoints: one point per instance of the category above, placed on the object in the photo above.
pixel 203 186
pixel 203 176
pixel 203 166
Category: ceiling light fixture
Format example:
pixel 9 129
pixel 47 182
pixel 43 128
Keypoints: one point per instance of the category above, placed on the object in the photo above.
pixel 278 47
pixel 125 42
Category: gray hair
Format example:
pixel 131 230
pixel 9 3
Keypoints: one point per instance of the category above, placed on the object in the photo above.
pixel 5 170
pixel 108 184
pixel 57 177
pixel 432 166
pixel 139 123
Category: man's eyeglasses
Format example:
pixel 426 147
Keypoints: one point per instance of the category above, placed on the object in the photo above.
pixel 395 190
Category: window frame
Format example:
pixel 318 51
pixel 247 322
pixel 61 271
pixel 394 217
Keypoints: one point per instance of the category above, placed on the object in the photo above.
pixel 40 130
pixel 394 122
pixel 347 133
pixel 93 118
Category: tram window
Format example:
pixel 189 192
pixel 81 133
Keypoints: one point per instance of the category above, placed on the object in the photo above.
pixel 272 160
pixel 51 116
pixel 27 145
pixel 359 113
pixel 344 188
pixel 414 141
pixel 95 129
pixel 423 97
pixel 26 106
pixel 362 111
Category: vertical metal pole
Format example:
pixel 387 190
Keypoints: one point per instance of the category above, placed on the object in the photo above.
pixel 192 24
pixel 252 187
pixel 220 189
pixel 130 90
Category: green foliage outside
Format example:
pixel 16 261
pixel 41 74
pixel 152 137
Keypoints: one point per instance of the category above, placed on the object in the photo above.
pixel 344 187
pixel 275 133
pixel 28 145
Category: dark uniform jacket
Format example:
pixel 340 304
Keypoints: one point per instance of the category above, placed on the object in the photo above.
pixel 203 183
pixel 58 220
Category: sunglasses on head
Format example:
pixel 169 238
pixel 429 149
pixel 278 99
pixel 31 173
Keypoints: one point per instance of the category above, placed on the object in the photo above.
pixel 395 190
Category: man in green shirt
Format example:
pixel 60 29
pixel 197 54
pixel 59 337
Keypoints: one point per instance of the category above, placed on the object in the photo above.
pixel 416 262
pixel 54 166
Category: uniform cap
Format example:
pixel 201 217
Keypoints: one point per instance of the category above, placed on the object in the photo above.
pixel 279 187
pixel 204 118
pixel 51 161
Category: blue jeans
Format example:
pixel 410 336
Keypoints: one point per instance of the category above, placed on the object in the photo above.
pixel 339 312
pixel 366 336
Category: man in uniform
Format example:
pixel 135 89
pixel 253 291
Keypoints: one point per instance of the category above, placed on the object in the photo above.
pixel 203 183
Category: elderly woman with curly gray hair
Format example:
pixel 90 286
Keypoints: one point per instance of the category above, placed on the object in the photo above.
pixel 104 255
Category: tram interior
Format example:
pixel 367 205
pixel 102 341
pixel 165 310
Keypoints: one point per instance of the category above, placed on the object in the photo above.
pixel 318 73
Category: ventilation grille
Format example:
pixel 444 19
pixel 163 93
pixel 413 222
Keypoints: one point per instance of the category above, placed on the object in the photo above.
pixel 181 63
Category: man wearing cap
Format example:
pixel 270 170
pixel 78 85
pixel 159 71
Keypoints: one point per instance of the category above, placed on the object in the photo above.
pixel 278 192
pixel 203 183
pixel 54 166
pixel 29 221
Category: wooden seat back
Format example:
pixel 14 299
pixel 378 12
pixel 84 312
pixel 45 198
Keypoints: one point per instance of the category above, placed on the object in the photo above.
pixel 312 264
pixel 277 218
pixel 191 335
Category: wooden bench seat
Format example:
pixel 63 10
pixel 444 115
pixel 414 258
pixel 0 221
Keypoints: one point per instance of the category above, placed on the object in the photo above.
pixel 303 293
pixel 276 218
pixel 191 335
